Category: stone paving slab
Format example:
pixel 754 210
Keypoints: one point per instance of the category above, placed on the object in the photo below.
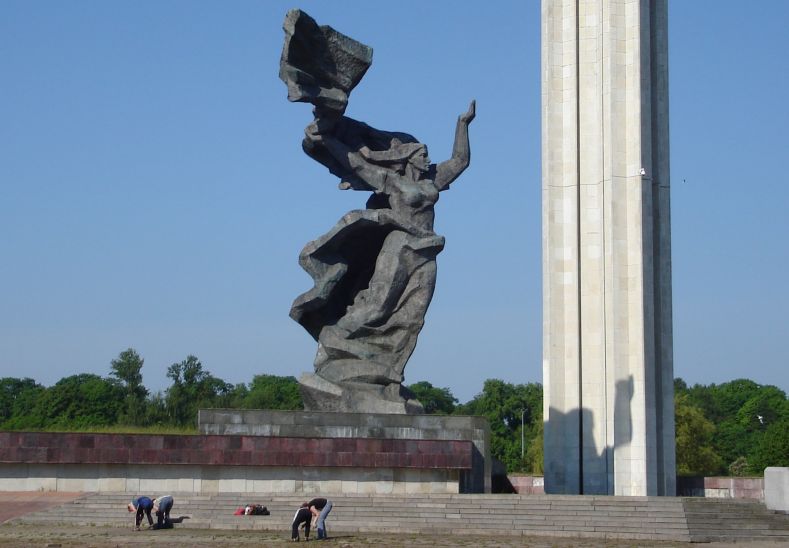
pixel 103 537
pixel 14 504
pixel 69 536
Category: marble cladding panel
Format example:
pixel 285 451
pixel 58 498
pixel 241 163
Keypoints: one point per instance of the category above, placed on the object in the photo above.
pixel 721 487
pixel 242 479
pixel 527 485
pixel 233 450
pixel 300 424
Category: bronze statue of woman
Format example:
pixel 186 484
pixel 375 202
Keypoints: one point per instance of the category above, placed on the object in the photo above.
pixel 375 270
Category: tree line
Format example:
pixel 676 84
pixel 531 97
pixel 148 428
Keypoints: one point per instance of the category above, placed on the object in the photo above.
pixel 736 428
pixel 88 401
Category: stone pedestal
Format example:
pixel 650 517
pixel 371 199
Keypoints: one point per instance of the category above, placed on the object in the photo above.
pixel 381 429
pixel 49 461
pixel 321 395
pixel 607 330
pixel 776 489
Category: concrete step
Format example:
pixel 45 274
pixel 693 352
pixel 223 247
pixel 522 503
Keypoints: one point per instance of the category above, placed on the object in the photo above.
pixel 646 518
pixel 733 520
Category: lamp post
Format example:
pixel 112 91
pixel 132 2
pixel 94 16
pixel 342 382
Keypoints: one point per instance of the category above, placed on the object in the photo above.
pixel 523 412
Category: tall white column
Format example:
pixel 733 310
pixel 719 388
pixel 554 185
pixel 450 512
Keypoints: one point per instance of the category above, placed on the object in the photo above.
pixel 607 335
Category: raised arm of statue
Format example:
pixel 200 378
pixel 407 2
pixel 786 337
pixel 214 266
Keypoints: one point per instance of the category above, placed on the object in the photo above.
pixel 448 171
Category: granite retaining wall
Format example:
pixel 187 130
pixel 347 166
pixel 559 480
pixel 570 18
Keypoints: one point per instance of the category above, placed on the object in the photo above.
pixel 49 461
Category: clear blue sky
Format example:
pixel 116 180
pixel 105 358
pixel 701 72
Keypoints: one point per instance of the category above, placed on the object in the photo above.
pixel 154 195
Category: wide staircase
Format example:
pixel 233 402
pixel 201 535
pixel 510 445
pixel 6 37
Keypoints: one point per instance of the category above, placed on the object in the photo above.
pixel 734 520
pixel 637 518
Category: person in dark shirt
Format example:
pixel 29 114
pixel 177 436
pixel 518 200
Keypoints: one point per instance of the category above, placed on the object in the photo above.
pixel 303 516
pixel 143 506
pixel 320 508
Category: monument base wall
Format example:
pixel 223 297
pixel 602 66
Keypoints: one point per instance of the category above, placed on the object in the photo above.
pixel 687 486
pixel 368 426
pixel 47 461
pixel 526 484
pixel 720 487
pixel 112 478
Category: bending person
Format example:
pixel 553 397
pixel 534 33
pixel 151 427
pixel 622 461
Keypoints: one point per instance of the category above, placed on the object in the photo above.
pixel 162 507
pixel 303 518
pixel 320 508
pixel 143 506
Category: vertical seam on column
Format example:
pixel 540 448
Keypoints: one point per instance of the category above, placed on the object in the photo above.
pixel 602 239
pixel 578 243
pixel 657 323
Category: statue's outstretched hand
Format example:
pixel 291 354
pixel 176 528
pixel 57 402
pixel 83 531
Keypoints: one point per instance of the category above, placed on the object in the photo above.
pixel 470 114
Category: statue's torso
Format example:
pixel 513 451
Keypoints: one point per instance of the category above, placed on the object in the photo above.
pixel 413 200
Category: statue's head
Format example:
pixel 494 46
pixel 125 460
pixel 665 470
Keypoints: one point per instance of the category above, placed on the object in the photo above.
pixel 399 155
pixel 420 160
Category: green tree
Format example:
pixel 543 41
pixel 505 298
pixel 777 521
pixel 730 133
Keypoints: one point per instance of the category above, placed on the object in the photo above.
pixel 236 396
pixel 12 394
pixel 74 402
pixel 18 399
pixel 436 401
pixel 721 402
pixel 192 389
pixel 273 392
pixel 739 468
pixel 156 411
pixel 731 396
pixel 773 447
pixel 736 434
pixel 505 405
pixel 731 440
pixel 742 411
pixel 695 452
pixel 535 459
pixel 764 407
pixel 127 369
